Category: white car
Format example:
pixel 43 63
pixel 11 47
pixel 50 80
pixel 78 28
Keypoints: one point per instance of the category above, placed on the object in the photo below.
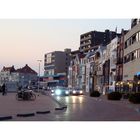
pixel 60 91
pixel 77 91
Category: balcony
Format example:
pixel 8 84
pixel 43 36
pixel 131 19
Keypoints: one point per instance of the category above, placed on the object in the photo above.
pixel 85 44
pixel 85 38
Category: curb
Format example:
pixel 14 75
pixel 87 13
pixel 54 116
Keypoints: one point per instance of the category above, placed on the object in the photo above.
pixel 64 107
pixel 26 115
pixel 43 112
pixel 59 108
pixel 5 118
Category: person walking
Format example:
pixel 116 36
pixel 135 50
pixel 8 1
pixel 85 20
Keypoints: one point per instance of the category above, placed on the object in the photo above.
pixel 3 89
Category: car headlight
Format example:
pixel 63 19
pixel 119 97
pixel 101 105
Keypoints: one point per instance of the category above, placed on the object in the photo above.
pixel 52 90
pixel 81 91
pixel 67 92
pixel 74 91
pixel 58 92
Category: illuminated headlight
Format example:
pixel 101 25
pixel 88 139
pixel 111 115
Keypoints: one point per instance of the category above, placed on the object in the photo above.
pixel 58 92
pixel 81 91
pixel 67 92
pixel 74 91
pixel 52 90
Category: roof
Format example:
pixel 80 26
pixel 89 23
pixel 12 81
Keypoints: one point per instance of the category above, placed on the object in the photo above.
pixel 26 69
pixel 10 69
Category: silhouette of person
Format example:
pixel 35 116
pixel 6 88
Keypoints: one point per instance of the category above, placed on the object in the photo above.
pixel 3 89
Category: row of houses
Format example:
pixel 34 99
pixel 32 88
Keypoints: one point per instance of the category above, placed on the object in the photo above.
pixel 107 61
pixel 13 78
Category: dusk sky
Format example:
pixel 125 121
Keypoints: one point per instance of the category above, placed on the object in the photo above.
pixel 24 41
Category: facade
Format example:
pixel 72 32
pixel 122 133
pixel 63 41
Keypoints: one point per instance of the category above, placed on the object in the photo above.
pixel 56 63
pixel 90 40
pixel 113 59
pixel 98 77
pixel 106 69
pixel 77 70
pixel 120 55
pixel 6 74
pixel 72 71
pixel 26 76
pixel 13 78
pixel 132 52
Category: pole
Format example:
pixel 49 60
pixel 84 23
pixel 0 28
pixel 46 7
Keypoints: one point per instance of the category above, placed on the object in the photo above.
pixel 39 73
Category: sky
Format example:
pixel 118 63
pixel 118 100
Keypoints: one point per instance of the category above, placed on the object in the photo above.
pixel 24 41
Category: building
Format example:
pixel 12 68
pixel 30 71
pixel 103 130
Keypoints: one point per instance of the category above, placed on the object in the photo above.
pixel 56 65
pixel 131 66
pixel 97 70
pixel 120 55
pixel 90 40
pixel 26 76
pixel 13 78
pixel 106 69
pixel 6 74
pixel 112 46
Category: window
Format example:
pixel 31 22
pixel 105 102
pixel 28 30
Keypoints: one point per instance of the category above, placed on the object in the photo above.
pixel 132 56
pixel 133 39
pixel 49 58
pixel 129 42
pixel 125 44
pixel 137 37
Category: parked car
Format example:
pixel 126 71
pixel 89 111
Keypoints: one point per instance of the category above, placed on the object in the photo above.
pixel 60 91
pixel 76 91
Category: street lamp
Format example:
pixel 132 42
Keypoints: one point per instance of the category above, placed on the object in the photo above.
pixel 39 61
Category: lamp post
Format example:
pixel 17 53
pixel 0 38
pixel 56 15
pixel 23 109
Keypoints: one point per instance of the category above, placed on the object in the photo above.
pixel 39 73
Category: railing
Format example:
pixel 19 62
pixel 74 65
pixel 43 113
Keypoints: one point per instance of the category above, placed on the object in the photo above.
pixel 85 38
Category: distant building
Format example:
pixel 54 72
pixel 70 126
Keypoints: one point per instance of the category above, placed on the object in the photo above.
pixel 24 77
pixel 90 40
pixel 6 74
pixel 56 64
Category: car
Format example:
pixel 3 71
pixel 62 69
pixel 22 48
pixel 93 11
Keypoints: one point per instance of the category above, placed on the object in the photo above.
pixel 60 91
pixel 76 91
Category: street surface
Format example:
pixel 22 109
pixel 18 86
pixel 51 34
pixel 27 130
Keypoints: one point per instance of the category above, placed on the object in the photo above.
pixel 79 108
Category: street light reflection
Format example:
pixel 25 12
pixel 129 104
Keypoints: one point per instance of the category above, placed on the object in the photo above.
pixel 67 99
pixel 58 97
pixel 73 99
pixel 81 99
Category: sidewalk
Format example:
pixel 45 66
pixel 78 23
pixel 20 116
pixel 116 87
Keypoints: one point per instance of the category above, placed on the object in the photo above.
pixel 10 106
pixel 122 102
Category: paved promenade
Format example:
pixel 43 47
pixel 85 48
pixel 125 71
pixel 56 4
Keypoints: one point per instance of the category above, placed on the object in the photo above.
pixel 10 106
pixel 79 108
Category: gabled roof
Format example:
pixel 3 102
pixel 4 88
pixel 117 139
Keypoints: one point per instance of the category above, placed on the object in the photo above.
pixel 26 69
pixel 10 69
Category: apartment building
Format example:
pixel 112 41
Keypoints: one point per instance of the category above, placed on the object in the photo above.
pixel 90 40
pixel 56 65
pixel 131 66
